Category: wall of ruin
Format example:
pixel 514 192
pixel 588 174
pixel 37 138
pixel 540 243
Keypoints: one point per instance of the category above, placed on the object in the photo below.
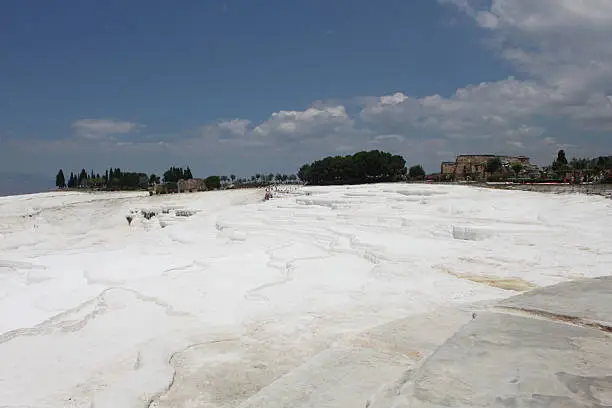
pixel 448 168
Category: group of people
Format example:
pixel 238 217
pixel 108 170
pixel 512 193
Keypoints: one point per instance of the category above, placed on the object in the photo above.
pixel 277 189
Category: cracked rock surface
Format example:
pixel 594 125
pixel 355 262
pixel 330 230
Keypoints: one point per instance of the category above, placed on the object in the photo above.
pixel 540 349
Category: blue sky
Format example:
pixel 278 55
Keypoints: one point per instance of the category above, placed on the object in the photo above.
pixel 249 86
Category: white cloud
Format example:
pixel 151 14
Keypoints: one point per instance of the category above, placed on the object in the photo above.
pixel 562 46
pixel 516 143
pixel 99 129
pixel 549 140
pixel 397 138
pixel 314 125
pixel 236 127
pixel 525 131
pixel 487 19
pixel 484 110
pixel 315 122
pixel 546 15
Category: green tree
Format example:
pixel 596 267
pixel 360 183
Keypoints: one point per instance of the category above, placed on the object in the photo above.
pixel 416 172
pixel 233 177
pixel 71 181
pixel 153 179
pixel 494 165
pixel 517 167
pixel 561 159
pixel 602 163
pixel 60 180
pixel 213 182
pixel 82 178
pixel 174 174
pixel 362 167
pixel 560 164
pixel 304 172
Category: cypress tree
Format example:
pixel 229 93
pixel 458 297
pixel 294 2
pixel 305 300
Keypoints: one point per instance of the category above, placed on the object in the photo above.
pixel 82 178
pixel 60 180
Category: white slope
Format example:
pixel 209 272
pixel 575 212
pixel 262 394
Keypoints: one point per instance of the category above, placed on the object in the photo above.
pixel 222 300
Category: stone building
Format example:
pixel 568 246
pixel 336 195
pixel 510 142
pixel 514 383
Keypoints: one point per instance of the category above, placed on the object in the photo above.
pixel 166 188
pixel 520 159
pixel 191 185
pixel 448 168
pixel 474 166
pixel 471 167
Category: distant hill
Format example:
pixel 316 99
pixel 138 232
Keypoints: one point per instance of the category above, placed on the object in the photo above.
pixel 19 183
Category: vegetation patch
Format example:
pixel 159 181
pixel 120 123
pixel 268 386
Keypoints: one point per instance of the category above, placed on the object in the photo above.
pixel 360 168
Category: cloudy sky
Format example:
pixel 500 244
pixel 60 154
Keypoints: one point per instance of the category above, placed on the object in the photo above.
pixel 237 86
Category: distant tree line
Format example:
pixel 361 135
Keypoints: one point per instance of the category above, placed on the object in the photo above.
pixel 112 179
pixel 257 180
pixel 116 179
pixel 596 164
pixel 598 169
pixel 363 167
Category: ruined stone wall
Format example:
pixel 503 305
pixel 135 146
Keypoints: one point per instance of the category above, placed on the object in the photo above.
pixel 515 159
pixel 472 166
pixel 191 185
pixel 448 168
